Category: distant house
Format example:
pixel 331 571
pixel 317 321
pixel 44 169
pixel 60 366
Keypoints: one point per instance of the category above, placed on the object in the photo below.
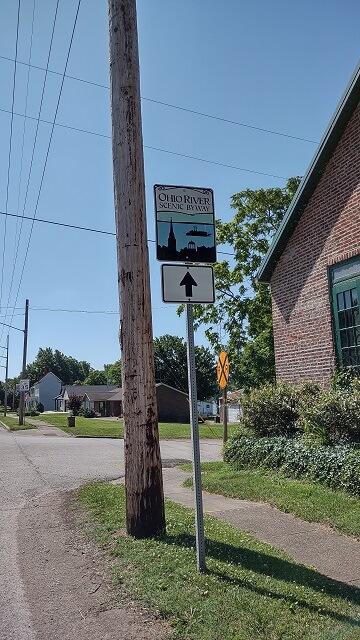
pixel 234 405
pixel 206 409
pixel 44 391
pixel 313 264
pixel 104 403
pixel 62 399
pixel 173 405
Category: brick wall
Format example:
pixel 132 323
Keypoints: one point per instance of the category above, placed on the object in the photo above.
pixel 327 233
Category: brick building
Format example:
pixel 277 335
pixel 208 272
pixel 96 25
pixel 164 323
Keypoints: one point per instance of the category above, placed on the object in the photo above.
pixel 313 264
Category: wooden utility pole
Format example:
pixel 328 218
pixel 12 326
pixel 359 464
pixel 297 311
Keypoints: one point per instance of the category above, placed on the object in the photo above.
pixel 145 514
pixel 23 373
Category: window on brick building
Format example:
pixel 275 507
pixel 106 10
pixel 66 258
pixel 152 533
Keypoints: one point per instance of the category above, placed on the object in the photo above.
pixel 345 281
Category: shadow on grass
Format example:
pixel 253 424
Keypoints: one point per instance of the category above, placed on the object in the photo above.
pixel 277 568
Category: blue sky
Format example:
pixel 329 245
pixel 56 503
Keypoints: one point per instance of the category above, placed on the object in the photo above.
pixel 280 66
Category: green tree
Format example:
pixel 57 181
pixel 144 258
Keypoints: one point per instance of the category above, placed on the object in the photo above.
pixel 240 321
pixel 113 373
pixel 68 369
pixel 95 376
pixel 171 366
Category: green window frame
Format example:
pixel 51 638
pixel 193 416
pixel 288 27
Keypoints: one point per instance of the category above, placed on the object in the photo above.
pixel 345 293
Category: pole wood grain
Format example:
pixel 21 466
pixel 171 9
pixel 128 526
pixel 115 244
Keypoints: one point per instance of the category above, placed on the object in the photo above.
pixel 143 473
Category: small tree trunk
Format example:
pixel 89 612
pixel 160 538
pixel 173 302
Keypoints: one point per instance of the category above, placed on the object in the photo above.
pixel 143 474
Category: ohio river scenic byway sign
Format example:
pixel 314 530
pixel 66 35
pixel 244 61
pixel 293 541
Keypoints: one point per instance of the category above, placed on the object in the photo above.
pixel 185 224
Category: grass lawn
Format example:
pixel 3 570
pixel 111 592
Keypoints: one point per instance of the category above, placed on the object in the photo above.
pixel 307 500
pixel 13 423
pixel 250 591
pixel 96 427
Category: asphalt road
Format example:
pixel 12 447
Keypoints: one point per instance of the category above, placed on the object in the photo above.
pixel 32 466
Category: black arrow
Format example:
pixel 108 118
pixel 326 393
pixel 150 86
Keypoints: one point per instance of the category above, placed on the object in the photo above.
pixel 188 282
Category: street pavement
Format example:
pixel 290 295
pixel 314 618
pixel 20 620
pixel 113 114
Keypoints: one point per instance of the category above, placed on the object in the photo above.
pixel 36 463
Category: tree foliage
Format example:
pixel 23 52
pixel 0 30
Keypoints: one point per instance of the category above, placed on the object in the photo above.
pixel 240 320
pixel 171 366
pixel 113 373
pixel 66 368
pixel 96 376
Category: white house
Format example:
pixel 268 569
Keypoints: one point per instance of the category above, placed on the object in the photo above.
pixel 44 391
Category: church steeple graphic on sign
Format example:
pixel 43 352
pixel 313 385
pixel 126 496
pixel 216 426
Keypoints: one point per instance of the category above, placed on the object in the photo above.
pixel 171 238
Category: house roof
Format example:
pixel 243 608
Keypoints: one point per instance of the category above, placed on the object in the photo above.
pixel 99 396
pixel 162 384
pixel 81 390
pixel 97 393
pixel 318 164
pixel 49 373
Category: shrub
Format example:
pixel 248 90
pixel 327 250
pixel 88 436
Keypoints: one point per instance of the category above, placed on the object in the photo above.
pixel 40 407
pixel 86 413
pixel 328 415
pixel 334 416
pixel 74 404
pixel 337 467
pixel 345 379
pixel 89 413
pixel 271 409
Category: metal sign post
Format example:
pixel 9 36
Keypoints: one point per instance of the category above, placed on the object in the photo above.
pixel 199 520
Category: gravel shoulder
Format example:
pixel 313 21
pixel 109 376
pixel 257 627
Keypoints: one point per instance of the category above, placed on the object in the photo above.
pixel 67 580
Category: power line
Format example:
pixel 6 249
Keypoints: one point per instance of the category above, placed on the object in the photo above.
pixel 174 153
pixel 235 122
pixel 186 109
pixel 32 160
pixel 219 164
pixel 10 148
pixel 90 311
pixel 79 228
pixel 59 224
pixel 18 236
pixel 48 149
pixel 11 327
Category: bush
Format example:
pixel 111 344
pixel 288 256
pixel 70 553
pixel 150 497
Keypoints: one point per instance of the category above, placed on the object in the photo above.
pixel 86 413
pixel 337 467
pixel 329 415
pixel 30 413
pixel 334 417
pixel 40 407
pixel 271 409
pixel 74 404
pixel 89 413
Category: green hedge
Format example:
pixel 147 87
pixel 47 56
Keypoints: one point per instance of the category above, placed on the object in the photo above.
pixel 332 415
pixel 337 466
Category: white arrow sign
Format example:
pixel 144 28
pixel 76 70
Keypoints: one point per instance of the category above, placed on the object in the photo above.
pixel 191 284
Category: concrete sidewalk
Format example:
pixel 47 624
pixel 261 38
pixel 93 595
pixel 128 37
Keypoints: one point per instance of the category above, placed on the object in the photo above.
pixel 336 556
pixel 42 427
